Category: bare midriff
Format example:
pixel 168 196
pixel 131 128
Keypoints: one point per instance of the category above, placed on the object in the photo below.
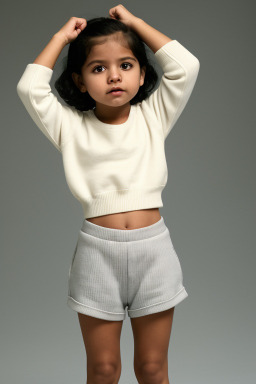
pixel 128 220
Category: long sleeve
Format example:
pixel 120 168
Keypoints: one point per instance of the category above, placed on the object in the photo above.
pixel 42 105
pixel 180 69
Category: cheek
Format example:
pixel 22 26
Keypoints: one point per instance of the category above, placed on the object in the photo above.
pixel 137 77
pixel 93 84
pixel 136 81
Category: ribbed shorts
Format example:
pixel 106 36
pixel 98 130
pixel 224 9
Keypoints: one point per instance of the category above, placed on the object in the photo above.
pixel 114 269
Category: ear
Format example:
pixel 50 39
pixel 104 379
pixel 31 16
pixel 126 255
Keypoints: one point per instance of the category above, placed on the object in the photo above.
pixel 78 82
pixel 142 75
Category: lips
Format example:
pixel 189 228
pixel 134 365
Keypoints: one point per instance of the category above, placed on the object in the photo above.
pixel 115 90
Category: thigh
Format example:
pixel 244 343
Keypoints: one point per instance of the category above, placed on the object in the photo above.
pixel 97 278
pixel 102 341
pixel 151 338
pixel 155 279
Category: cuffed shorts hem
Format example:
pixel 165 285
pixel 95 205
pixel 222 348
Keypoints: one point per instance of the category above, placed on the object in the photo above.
pixel 94 312
pixel 158 307
pixel 132 313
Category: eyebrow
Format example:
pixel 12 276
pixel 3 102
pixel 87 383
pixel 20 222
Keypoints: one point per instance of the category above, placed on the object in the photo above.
pixel 105 61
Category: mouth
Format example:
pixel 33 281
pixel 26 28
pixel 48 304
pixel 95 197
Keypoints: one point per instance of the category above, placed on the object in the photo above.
pixel 116 92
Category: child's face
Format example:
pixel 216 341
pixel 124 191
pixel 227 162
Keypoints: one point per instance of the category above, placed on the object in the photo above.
pixel 109 71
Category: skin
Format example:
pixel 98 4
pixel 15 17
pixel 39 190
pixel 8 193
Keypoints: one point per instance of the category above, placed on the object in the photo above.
pixel 98 78
pixel 151 342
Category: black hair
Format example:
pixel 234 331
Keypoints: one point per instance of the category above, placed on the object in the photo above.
pixel 79 50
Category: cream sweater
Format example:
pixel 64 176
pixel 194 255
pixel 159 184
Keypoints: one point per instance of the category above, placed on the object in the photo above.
pixel 114 168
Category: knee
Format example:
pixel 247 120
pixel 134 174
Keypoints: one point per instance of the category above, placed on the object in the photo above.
pixel 106 373
pixel 150 373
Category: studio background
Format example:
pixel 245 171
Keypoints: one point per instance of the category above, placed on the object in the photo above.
pixel 209 202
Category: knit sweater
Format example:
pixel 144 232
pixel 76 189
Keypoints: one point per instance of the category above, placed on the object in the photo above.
pixel 114 168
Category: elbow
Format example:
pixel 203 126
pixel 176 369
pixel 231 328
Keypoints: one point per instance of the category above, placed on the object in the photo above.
pixel 20 89
pixel 195 67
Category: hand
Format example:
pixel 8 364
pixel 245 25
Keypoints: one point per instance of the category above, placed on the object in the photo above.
pixel 122 14
pixel 72 29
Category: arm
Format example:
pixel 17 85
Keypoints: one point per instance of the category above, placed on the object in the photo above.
pixel 64 36
pixel 51 52
pixel 42 105
pixel 151 36
pixel 180 69
pixel 52 118
pixel 35 92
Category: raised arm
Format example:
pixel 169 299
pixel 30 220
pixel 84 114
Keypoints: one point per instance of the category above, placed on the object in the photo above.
pixel 35 92
pixel 180 69
pixel 51 52
pixel 151 36
pixel 64 36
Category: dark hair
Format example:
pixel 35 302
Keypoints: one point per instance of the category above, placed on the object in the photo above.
pixel 79 50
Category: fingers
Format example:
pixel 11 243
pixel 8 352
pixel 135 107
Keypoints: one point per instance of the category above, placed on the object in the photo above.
pixel 113 12
pixel 80 21
pixel 77 20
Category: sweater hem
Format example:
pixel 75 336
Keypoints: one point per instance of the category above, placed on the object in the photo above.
pixel 122 201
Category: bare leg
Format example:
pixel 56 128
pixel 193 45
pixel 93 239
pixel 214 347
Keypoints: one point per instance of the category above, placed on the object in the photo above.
pixel 102 345
pixel 151 342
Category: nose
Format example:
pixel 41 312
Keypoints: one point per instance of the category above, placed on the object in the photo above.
pixel 114 75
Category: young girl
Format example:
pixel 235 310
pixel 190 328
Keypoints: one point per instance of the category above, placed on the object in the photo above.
pixel 111 135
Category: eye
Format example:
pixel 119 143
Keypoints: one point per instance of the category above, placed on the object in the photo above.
pixel 101 66
pixel 128 64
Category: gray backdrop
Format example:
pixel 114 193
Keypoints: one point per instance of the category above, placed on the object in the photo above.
pixel 209 202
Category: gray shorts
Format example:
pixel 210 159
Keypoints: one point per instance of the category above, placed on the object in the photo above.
pixel 112 269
